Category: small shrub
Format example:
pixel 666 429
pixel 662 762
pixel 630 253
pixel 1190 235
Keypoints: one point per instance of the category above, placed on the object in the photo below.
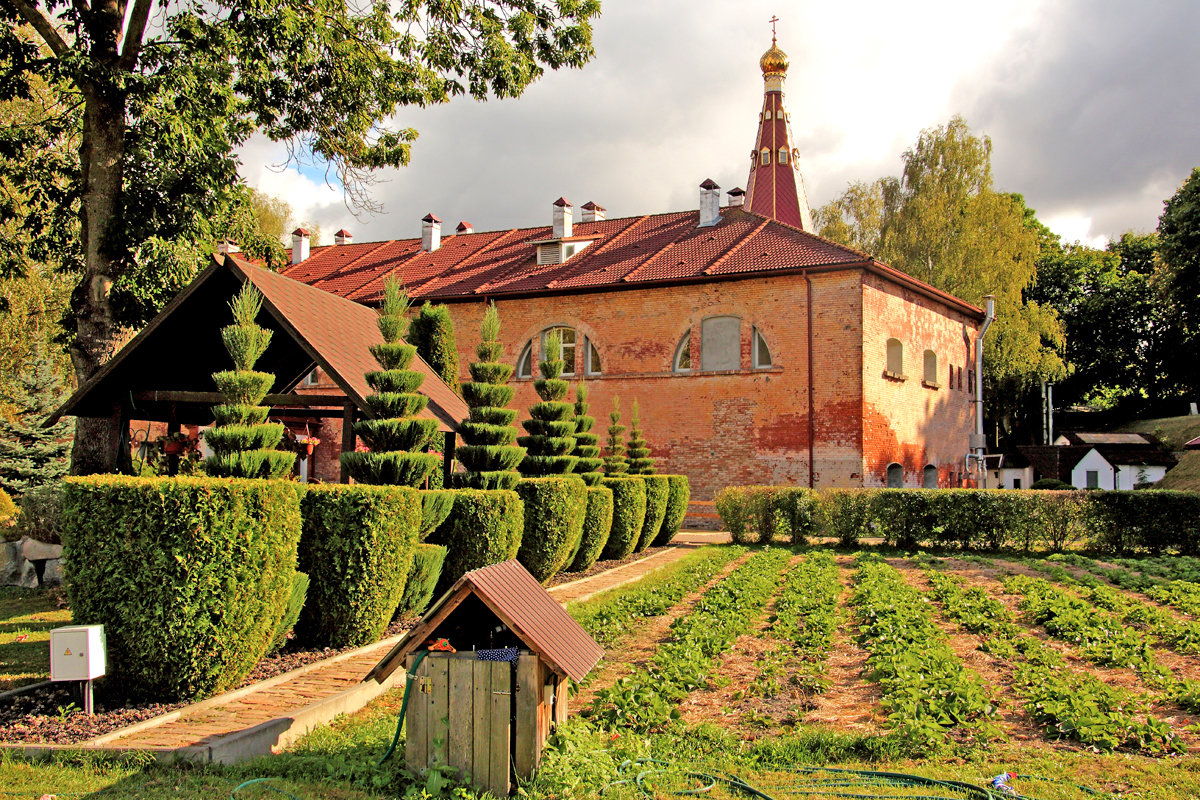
pixel 8 511
pixel 550 428
pixel 615 462
pixel 484 528
pixel 189 576
pixel 426 570
pixel 555 508
pixel 795 513
pixel 436 506
pixel 760 514
pixel 657 489
pixel 640 462
pixel 432 333
pixel 1145 521
pixel 488 452
pixel 678 494
pixel 629 512
pixel 357 549
pixel 842 514
pixel 597 525
pixel 1050 483
pixel 40 516
pixel 295 604
pixel 731 505
pixel 587 444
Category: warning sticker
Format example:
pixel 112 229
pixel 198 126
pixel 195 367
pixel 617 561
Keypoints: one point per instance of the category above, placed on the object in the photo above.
pixel 68 652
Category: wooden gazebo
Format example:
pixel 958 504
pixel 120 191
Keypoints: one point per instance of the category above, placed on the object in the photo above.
pixel 165 373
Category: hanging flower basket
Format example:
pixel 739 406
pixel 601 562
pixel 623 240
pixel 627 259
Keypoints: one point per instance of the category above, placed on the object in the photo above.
pixel 175 444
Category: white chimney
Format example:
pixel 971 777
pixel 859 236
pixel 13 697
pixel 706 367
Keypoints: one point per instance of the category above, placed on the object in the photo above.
pixel 737 197
pixel 592 212
pixel 299 245
pixel 227 246
pixel 465 227
pixel 431 233
pixel 710 203
pixel 562 218
pixel 342 237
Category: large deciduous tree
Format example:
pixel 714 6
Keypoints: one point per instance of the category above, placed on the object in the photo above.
pixel 158 95
pixel 1179 237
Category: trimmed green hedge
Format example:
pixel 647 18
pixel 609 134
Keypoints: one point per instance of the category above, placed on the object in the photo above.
pixel 629 512
pixel 357 549
pixel 679 492
pixel 484 528
pixel 189 576
pixel 296 598
pixel 436 505
pixel 596 526
pixel 657 490
pixel 418 591
pixel 1142 521
pixel 555 508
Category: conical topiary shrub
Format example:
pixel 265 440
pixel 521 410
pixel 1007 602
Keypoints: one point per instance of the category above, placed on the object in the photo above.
pixel 243 441
pixel 614 462
pixel 550 427
pixel 395 437
pixel 640 462
pixel 587 444
pixel 489 454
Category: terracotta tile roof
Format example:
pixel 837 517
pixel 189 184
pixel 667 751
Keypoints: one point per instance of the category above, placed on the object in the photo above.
pixel 523 605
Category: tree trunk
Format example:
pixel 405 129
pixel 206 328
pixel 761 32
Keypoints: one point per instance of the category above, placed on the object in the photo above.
pixel 102 157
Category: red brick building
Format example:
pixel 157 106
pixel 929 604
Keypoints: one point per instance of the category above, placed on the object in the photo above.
pixel 759 352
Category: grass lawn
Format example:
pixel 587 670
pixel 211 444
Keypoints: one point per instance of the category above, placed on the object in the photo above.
pixel 26 618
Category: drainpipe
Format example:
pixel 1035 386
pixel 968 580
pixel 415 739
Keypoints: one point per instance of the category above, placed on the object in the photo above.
pixel 979 443
pixel 811 411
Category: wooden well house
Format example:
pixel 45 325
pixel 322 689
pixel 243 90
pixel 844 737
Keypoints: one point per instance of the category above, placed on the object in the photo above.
pixel 489 718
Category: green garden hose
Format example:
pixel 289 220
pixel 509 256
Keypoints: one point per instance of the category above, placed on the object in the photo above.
pixel 408 682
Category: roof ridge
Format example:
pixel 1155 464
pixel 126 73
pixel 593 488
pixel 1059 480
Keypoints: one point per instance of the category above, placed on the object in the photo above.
pixel 736 246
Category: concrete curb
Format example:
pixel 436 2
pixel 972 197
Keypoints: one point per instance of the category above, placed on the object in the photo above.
pixel 563 586
pixel 632 579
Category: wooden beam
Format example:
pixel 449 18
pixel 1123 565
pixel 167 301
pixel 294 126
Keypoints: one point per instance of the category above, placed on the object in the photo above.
pixel 348 438
pixel 214 398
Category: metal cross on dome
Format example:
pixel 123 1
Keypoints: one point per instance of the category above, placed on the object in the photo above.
pixel 773 20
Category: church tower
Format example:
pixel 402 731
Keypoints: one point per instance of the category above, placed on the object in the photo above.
pixel 775 188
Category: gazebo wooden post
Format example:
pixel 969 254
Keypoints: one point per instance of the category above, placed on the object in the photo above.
pixel 119 443
pixel 348 438
pixel 448 438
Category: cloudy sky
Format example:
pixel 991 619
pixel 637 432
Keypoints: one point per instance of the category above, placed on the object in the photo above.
pixel 1093 108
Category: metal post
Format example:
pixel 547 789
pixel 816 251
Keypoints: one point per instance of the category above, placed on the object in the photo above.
pixel 87 696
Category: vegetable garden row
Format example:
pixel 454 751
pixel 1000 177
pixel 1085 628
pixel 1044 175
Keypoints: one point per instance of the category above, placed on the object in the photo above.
pixel 1066 659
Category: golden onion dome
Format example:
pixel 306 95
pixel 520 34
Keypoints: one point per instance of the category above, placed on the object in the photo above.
pixel 774 61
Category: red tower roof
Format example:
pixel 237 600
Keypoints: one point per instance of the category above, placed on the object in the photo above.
pixel 775 188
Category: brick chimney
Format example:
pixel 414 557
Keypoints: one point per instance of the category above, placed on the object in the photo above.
pixel 737 197
pixel 299 245
pixel 562 218
pixel 465 227
pixel 710 203
pixel 342 237
pixel 592 212
pixel 431 233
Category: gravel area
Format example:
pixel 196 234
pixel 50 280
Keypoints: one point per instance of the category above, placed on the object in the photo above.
pixel 54 715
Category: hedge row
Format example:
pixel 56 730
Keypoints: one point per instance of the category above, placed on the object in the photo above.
pixel 1144 521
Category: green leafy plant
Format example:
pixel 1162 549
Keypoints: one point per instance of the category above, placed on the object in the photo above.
pixel 489 455
pixel 555 508
pixel 657 491
pixel 615 462
pixel 678 494
pixel 432 333
pixel 484 528
pixel 551 427
pixel 629 513
pixel 597 524
pixel 640 462
pixel 587 444
pixel 427 569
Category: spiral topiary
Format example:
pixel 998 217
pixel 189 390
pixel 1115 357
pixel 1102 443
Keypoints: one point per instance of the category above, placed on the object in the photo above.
pixel 395 437
pixel 243 442
pixel 640 462
pixel 551 427
pixel 489 454
pixel 587 444
pixel 614 462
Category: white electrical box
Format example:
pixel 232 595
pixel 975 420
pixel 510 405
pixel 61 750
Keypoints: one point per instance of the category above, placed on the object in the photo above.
pixel 77 653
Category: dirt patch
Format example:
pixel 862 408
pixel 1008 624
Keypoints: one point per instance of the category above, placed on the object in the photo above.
pixel 639 647
pixel 851 702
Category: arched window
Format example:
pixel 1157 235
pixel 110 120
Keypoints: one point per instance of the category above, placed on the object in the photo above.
pixel 591 357
pixel 931 375
pixel 682 362
pixel 895 476
pixel 783 155
pixel 895 358
pixel 767 114
pixel 525 361
pixel 762 355
pixel 929 478
pixel 566 348
pixel 721 343
pixel 766 156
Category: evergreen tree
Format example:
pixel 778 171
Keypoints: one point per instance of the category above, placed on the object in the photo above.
pixel 489 454
pixel 30 455
pixel 551 428
pixel 396 437
pixel 614 462
pixel 640 462
pixel 432 333
pixel 1179 237
pixel 587 444
pixel 243 441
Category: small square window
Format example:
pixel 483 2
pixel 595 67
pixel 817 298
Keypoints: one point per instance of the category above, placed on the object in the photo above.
pixel 312 378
